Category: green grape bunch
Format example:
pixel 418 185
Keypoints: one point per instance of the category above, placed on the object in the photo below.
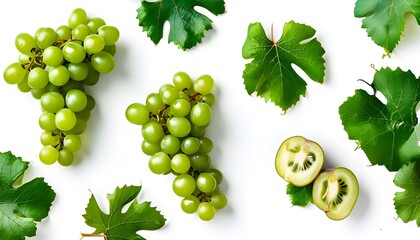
pixel 174 121
pixel 55 66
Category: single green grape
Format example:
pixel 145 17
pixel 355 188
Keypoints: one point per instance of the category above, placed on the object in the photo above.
pixel 59 75
pixel 72 142
pixel 168 93
pixel 95 23
pixel 52 102
pixel 182 81
pixel 80 32
pixel 76 100
pixel 79 127
pixel 150 148
pixel 102 62
pixel 218 200
pixel 183 185
pixel 74 52
pixel 190 145
pixel 206 182
pixel 206 211
pixel 111 49
pixel 65 119
pixel 210 99
pixel 14 73
pixel 152 132
pixel 204 84
pixel 63 32
pixel 154 102
pixel 200 114
pixel 49 138
pixel 23 86
pixel 78 71
pixel 217 174
pixel 48 155
pixel 189 204
pixel 137 113
pixel 47 121
pixel 53 56
pixel 200 161
pixel 93 76
pixel 160 163
pixel 45 37
pixel 170 144
pixel 180 163
pixel 94 43
pixel 38 78
pixel 25 43
pixel 109 33
pixel 77 16
pixel 179 126
pixel 206 145
pixel 180 108
pixel 65 158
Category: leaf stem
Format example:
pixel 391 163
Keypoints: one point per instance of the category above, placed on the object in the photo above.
pixel 94 235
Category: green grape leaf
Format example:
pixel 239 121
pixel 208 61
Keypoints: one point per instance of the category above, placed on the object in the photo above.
pixel 187 26
pixel 384 19
pixel 385 131
pixel 299 196
pixel 270 73
pixel 21 207
pixel 119 224
pixel 407 203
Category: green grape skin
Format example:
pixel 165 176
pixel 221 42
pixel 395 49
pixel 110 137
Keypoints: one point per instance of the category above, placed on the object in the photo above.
pixel 37 93
pixel 95 23
pixel 197 131
pixel 14 73
pixel 77 16
pixel 79 127
pixel 152 132
pixel 111 49
pixel 52 102
pixel 183 185
pixel 168 93
pixel 78 71
pixel 179 126
pixel 109 33
pixel 203 84
pixel 48 155
pixel 83 115
pixel 182 81
pixel 180 108
pixel 74 52
pixel 71 85
pixel 52 56
pixel 200 114
pixel 65 119
pixel 25 58
pixel 45 37
pixel 217 174
pixel 206 211
pixel 103 62
pixel 206 182
pixel 65 158
pixel 47 121
pixel 59 75
pixel 94 43
pixel 200 162
pixel 160 163
pixel 180 163
pixel 206 145
pixel 137 113
pixel 209 99
pixel 218 200
pixel 154 102
pixel 25 43
pixel 150 148
pixel 23 86
pixel 63 32
pixel 49 138
pixel 38 78
pixel 80 32
pixel 189 204
pixel 170 144
pixel 76 100
pixel 190 145
pixel 92 77
pixel 72 143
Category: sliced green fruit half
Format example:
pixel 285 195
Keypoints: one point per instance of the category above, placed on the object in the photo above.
pixel 335 192
pixel 299 160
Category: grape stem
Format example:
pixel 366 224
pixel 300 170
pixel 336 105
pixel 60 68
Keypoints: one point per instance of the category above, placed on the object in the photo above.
pixel 94 235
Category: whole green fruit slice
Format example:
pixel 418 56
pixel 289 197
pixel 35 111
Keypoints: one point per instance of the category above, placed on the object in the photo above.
pixel 335 192
pixel 299 160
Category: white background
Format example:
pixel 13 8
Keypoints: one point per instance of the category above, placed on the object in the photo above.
pixel 246 131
